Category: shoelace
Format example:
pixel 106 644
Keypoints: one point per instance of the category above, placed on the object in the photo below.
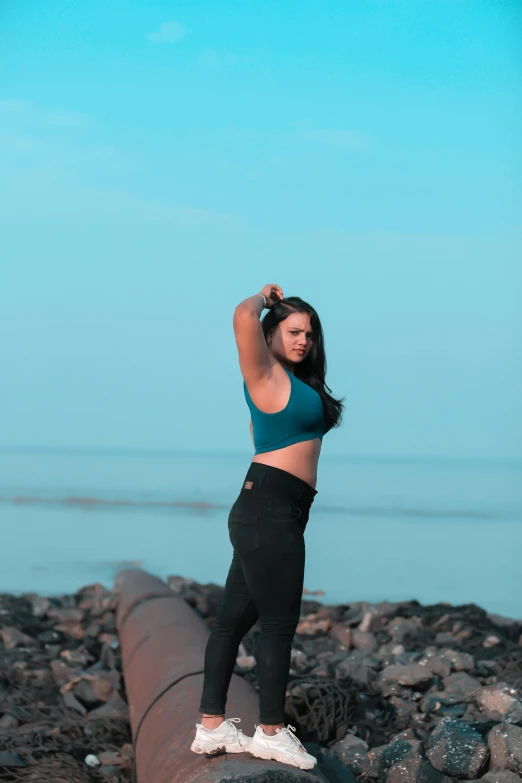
pixel 289 731
pixel 231 722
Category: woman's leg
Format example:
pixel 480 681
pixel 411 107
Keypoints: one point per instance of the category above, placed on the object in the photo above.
pixel 274 575
pixel 236 615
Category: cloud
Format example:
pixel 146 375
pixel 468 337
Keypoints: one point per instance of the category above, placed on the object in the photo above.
pixel 335 137
pixel 168 32
pixel 53 170
pixel 49 195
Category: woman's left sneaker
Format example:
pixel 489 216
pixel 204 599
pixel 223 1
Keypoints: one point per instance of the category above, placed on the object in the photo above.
pixel 227 738
pixel 282 746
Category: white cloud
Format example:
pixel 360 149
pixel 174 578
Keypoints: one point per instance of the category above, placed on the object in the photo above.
pixel 168 32
pixel 49 170
pixel 335 137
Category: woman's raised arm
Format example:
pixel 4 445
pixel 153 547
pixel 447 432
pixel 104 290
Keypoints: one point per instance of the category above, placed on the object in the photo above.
pixel 254 359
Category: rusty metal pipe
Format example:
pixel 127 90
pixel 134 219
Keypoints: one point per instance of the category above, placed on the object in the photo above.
pixel 162 644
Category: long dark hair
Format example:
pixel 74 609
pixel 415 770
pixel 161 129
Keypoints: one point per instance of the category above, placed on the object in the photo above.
pixel 313 369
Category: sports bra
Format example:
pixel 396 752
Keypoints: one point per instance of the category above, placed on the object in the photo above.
pixel 301 419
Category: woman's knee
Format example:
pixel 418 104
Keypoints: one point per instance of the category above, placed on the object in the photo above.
pixel 234 622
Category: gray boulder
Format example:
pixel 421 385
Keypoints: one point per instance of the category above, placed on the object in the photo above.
pixel 456 749
pixel 353 752
pixel 501 776
pixel 499 702
pixel 411 674
pixel 505 746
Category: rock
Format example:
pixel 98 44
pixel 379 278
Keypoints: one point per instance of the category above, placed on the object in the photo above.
pixel 8 722
pixel 246 662
pixel 390 653
pixel 10 759
pixel 364 641
pixel 39 604
pixel 111 773
pixel 490 641
pixel 73 630
pixel 180 585
pixel 456 749
pixel 505 746
pixel 299 661
pixel 92 691
pixel 460 661
pixel 500 776
pixel 49 637
pixel 499 702
pixel 414 769
pixel 108 656
pixel 444 639
pixel 407 735
pixel 436 664
pixel 357 668
pixel 80 656
pixel 353 752
pixel 460 688
pixel 96 598
pixel 72 703
pixel 111 639
pixel 114 708
pixel 342 634
pixel 370 617
pixel 461 684
pixel 401 627
pixel 12 638
pixel 66 616
pixel 503 622
pixel 312 626
pixel 373 761
pixel 115 759
pixel 409 674
pixel 393 754
pixel 404 709
pixel 63 674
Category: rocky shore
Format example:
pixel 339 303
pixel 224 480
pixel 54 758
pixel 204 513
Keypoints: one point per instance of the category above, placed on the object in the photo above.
pixel 380 693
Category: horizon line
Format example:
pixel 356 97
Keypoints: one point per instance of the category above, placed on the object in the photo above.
pixel 122 451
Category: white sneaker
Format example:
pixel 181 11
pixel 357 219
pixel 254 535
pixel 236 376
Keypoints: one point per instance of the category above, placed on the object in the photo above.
pixel 282 746
pixel 225 739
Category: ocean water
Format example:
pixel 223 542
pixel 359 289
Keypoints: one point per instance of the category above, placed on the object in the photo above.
pixel 379 529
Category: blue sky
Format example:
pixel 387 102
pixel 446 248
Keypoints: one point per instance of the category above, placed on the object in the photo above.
pixel 161 161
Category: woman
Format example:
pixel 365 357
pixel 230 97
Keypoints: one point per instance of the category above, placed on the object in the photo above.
pixel 283 364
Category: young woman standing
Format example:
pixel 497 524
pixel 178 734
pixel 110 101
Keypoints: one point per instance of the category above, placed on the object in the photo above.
pixel 283 363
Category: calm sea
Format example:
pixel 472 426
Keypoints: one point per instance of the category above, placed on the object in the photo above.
pixel 379 529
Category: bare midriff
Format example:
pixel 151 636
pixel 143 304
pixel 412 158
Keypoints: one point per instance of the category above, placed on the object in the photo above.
pixel 300 459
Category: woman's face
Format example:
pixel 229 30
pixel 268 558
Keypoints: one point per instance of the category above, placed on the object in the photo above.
pixel 291 340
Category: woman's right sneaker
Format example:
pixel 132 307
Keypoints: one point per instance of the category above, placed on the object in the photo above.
pixel 282 746
pixel 226 738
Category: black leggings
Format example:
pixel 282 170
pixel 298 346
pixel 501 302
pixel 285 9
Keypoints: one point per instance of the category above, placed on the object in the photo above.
pixel 266 526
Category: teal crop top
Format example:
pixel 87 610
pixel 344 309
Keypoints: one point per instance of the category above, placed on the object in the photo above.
pixel 301 419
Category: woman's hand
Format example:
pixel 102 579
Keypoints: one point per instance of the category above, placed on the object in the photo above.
pixel 272 294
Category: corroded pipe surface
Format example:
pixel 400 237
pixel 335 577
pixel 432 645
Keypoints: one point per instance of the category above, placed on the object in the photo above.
pixel 163 643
